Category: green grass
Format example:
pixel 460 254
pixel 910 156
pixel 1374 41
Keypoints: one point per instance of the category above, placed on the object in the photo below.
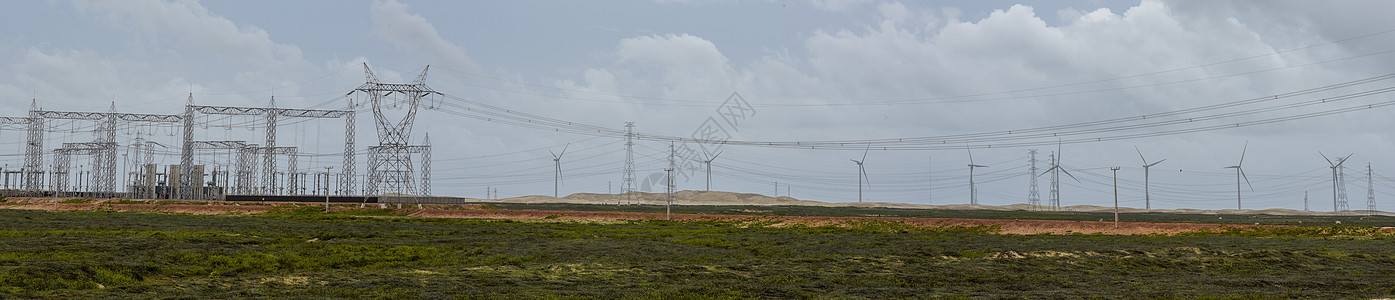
pixel 302 253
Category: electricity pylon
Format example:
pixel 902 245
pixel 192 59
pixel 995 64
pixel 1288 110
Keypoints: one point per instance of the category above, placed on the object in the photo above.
pixel 1033 196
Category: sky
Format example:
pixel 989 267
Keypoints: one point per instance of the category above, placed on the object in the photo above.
pixel 911 85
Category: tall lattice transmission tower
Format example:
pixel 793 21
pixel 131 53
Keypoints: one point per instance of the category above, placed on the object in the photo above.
pixel 1033 195
pixel 1055 184
pixel 34 150
pixel 390 167
pixel 627 183
pixel 1342 207
pixel 1370 191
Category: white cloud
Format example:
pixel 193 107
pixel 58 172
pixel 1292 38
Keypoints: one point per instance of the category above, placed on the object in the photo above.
pixel 179 35
pixel 838 5
pixel 686 64
pixel 195 27
pixel 392 22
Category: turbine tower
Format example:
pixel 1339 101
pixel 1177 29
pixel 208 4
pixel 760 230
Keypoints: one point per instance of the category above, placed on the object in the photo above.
pixel 709 169
pixel 862 173
pixel 973 191
pixel 1147 198
pixel 1240 173
pixel 1339 193
pixel 557 176
pixel 1055 171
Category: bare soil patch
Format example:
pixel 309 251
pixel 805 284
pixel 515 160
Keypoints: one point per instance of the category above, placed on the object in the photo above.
pixel 1007 226
pixel 476 211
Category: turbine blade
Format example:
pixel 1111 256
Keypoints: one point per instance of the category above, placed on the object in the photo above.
pixel 554 154
pixel 564 150
pixel 1247 178
pixel 971 152
pixel 1047 170
pixel 864 152
pixel 1140 155
pixel 1157 162
pixel 1344 159
pixel 1329 160
pixel 1242 153
pixel 1063 170
pixel 714 157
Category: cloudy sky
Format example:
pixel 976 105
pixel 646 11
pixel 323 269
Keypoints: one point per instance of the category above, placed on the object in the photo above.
pixel 1192 82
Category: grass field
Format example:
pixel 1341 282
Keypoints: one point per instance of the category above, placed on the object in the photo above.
pixel 1351 220
pixel 373 254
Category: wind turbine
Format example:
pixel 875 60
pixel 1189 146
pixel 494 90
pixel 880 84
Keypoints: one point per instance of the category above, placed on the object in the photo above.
pixel 862 173
pixel 1335 179
pixel 709 169
pixel 973 191
pixel 1147 203
pixel 1055 171
pixel 1240 173
pixel 557 177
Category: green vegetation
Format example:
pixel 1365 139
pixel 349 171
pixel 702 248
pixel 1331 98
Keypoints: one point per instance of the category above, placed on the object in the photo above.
pixel 300 253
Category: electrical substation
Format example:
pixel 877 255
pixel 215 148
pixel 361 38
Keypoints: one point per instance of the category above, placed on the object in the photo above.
pixel 119 160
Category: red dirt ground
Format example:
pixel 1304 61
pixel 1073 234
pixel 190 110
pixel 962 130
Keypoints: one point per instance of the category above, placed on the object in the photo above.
pixel 474 211
pixel 1008 226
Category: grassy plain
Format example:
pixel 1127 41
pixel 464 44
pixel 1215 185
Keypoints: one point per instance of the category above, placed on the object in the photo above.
pixel 1159 217
pixel 300 253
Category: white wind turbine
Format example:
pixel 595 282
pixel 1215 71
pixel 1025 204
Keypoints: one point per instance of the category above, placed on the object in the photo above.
pixel 1147 198
pixel 1240 173
pixel 973 190
pixel 1336 180
pixel 1055 171
pixel 557 176
pixel 862 173
pixel 709 169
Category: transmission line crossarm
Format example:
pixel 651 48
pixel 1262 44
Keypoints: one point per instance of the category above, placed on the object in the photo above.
pixel 104 159
pixel 389 164
pixel 272 114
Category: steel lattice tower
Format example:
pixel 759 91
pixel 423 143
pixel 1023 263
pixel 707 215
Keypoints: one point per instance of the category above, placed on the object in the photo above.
pixel 105 164
pixel 390 163
pixel 1055 184
pixel 269 157
pixel 346 177
pixel 102 149
pixel 186 154
pixel 1370 191
pixel 671 184
pixel 247 154
pixel 627 184
pixel 1342 207
pixel 34 150
pixel 1033 195
pixel 426 166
